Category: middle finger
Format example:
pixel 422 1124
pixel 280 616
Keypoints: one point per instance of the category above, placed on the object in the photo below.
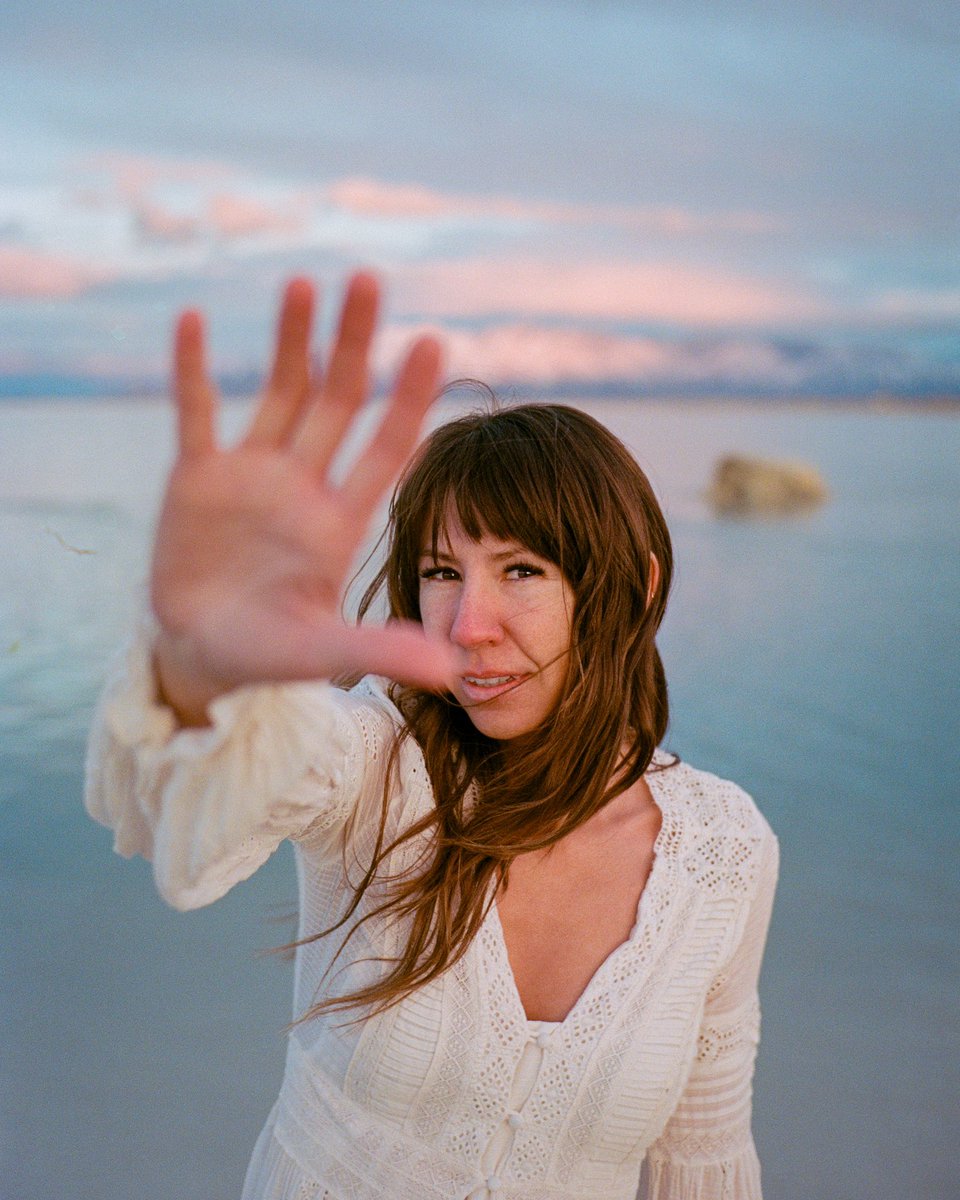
pixel 346 383
pixel 288 387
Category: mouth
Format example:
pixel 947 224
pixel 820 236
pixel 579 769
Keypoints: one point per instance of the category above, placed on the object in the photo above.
pixel 488 680
pixel 477 688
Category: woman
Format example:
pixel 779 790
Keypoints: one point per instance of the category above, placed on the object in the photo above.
pixel 529 940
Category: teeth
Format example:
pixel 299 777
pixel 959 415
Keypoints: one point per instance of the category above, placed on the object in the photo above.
pixel 495 681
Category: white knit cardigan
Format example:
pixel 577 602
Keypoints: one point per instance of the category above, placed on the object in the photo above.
pixel 453 1093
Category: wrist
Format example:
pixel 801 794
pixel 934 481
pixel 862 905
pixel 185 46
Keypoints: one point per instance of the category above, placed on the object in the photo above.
pixel 182 684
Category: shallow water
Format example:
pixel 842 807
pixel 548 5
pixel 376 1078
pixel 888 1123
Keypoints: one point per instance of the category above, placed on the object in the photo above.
pixel 816 661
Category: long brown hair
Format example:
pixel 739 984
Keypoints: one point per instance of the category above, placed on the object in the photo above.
pixel 555 480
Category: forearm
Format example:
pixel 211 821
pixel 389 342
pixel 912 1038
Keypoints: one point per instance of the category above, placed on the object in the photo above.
pixel 208 805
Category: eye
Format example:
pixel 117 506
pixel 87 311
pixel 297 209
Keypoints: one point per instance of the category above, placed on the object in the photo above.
pixel 524 570
pixel 437 572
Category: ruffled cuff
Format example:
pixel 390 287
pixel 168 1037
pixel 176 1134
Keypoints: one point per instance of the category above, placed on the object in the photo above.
pixel 209 805
pixel 734 1178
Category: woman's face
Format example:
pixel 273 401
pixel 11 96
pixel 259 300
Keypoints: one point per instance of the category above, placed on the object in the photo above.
pixel 510 612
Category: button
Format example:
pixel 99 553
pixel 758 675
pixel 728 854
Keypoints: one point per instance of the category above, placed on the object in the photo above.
pixel 543 1039
pixel 514 1120
pixel 493 1183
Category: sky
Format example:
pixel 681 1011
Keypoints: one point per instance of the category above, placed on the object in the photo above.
pixel 693 197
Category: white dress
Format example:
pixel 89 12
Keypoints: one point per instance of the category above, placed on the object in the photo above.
pixel 453 1093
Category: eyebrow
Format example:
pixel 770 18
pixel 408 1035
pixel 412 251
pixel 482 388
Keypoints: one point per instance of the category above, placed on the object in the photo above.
pixel 500 556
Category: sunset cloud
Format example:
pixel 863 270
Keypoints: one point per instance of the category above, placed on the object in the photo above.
pixel 375 198
pixel 27 274
pixel 154 223
pixel 602 290
pixel 236 216
pixel 142 183
pixel 523 353
pixel 224 215
pixel 176 201
pixel 170 210
pixel 528 353
pixel 132 176
pixel 543 294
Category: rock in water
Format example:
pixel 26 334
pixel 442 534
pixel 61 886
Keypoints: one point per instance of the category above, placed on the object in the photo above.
pixel 744 487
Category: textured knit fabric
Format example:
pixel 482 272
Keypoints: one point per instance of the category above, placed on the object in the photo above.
pixel 453 1093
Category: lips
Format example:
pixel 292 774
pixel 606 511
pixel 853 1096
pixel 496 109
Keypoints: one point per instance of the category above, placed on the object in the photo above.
pixel 483 687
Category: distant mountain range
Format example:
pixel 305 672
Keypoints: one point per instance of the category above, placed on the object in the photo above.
pixel 535 359
pixel 53 385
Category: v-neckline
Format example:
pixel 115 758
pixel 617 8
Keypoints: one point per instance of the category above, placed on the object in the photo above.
pixel 645 905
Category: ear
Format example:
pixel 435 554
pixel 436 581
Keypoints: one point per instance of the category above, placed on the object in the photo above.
pixel 653 583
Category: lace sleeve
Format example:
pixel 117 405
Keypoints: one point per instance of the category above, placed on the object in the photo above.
pixel 209 806
pixel 706 1150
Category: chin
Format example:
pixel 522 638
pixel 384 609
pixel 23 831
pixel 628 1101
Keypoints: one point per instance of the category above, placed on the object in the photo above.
pixel 501 727
pixel 498 733
pixel 514 714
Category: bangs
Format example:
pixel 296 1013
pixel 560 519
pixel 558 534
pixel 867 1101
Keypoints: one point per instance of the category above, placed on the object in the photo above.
pixel 501 483
pixel 549 479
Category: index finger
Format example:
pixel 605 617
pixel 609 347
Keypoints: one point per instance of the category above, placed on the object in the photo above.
pixel 195 395
pixel 345 386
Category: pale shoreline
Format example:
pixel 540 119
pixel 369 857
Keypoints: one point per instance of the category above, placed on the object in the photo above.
pixel 879 405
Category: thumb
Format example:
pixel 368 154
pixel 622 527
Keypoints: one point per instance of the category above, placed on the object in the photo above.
pixel 400 651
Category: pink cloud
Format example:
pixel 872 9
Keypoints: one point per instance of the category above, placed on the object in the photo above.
pixel 27 274
pixel 158 224
pixel 370 197
pixel 206 200
pixel 527 353
pixel 524 353
pixel 240 216
pixel 606 290
pixel 224 215
pixel 134 175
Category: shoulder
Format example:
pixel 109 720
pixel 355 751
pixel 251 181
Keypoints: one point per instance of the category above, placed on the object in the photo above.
pixel 369 701
pixel 338 735
pixel 376 728
pixel 374 760
pixel 728 844
pixel 366 719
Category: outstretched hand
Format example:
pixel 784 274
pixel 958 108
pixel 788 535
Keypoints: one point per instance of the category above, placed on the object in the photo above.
pixel 254 543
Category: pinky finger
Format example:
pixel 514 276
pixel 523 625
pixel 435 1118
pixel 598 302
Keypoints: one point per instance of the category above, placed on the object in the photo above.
pixel 195 395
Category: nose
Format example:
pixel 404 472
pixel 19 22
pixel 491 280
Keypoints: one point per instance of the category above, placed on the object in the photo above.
pixel 477 619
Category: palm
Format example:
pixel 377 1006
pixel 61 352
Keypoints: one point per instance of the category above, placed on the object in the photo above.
pixel 254 543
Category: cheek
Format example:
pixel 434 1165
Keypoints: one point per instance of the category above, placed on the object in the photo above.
pixel 550 640
pixel 433 615
pixel 565 619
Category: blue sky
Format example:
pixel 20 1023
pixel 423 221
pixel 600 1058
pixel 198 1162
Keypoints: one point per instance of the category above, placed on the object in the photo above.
pixel 693 197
